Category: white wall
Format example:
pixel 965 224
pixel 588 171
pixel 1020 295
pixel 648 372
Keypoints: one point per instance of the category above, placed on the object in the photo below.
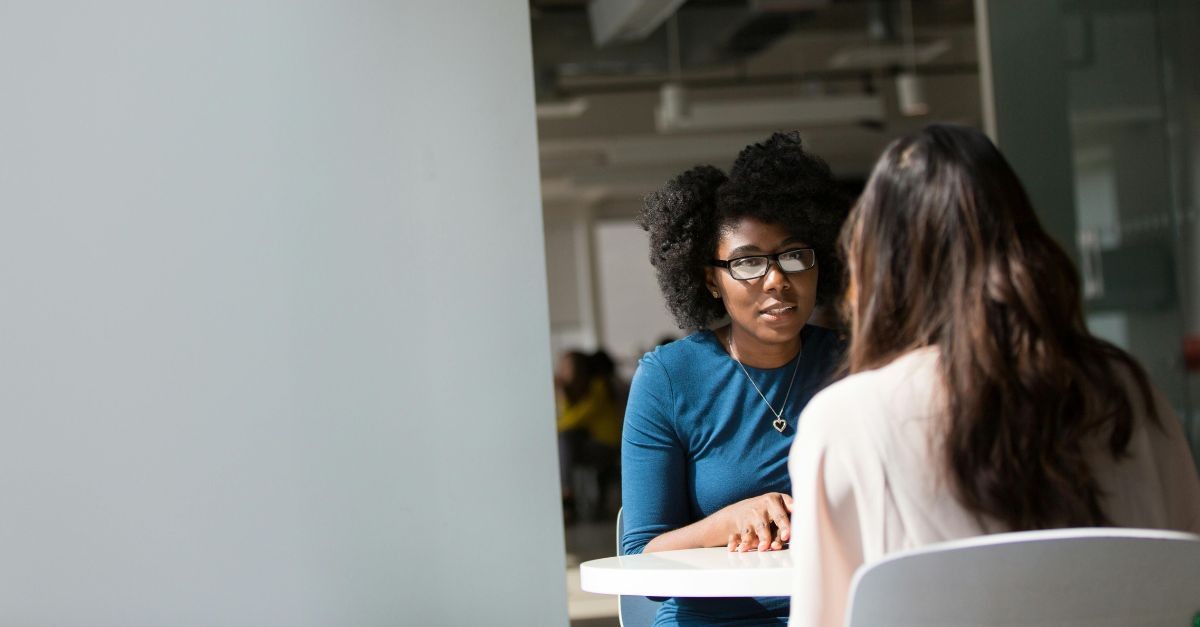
pixel 634 313
pixel 603 290
pixel 569 276
pixel 272 350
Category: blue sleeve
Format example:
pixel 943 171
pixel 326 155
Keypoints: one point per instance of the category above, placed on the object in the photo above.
pixel 653 483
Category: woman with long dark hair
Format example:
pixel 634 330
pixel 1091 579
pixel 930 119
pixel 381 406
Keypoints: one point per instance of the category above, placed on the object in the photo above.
pixel 977 401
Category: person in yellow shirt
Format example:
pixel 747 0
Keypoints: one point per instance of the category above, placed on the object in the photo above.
pixel 589 422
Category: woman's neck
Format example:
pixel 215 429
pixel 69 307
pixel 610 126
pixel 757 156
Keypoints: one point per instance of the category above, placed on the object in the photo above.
pixel 755 353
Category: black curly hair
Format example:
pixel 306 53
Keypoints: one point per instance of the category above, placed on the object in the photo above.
pixel 775 182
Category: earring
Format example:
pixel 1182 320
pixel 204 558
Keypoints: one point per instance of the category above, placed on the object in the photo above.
pixel 716 294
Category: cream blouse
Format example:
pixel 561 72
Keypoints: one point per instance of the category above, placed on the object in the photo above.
pixel 865 481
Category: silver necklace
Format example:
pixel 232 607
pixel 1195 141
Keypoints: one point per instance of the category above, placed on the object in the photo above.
pixel 779 423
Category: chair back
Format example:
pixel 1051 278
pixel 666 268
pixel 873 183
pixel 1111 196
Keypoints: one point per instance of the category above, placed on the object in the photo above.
pixel 633 611
pixel 1064 577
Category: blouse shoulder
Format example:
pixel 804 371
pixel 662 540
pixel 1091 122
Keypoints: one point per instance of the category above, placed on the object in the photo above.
pixel 867 400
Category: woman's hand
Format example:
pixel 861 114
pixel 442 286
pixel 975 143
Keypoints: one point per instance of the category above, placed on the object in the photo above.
pixel 760 522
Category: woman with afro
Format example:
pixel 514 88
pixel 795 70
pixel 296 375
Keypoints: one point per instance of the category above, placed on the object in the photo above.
pixel 743 260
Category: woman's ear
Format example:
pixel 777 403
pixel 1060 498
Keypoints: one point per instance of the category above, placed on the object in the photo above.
pixel 710 281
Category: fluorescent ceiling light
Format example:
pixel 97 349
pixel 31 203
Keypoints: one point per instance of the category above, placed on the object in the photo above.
pixel 562 109
pixel 889 55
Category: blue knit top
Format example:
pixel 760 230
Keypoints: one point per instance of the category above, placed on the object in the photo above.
pixel 698 437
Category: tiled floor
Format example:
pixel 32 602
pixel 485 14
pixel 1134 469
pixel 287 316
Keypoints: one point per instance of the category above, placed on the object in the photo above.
pixel 587 541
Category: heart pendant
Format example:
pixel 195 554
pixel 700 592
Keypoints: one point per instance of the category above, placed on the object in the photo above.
pixel 780 424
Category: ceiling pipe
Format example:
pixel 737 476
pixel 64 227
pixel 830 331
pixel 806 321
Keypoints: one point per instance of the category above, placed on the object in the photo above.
pixel 910 92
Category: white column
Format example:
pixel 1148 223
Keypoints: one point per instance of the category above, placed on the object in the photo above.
pixel 274 322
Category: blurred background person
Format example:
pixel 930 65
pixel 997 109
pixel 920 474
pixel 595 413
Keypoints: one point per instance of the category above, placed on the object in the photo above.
pixel 589 428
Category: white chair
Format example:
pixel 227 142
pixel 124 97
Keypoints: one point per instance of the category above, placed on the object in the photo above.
pixel 1064 577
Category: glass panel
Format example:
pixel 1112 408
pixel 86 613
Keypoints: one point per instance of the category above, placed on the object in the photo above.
pixel 1129 168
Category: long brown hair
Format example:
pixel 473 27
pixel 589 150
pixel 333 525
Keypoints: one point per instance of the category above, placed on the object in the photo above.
pixel 944 249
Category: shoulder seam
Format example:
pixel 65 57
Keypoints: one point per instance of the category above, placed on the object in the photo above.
pixel 653 358
pixel 671 392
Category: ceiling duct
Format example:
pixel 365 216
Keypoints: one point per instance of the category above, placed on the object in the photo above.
pixel 714 36
pixel 676 114
pixel 628 20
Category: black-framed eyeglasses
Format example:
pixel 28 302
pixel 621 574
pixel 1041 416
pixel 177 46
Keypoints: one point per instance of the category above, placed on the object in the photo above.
pixel 754 266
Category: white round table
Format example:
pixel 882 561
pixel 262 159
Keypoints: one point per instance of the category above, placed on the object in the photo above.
pixel 713 572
